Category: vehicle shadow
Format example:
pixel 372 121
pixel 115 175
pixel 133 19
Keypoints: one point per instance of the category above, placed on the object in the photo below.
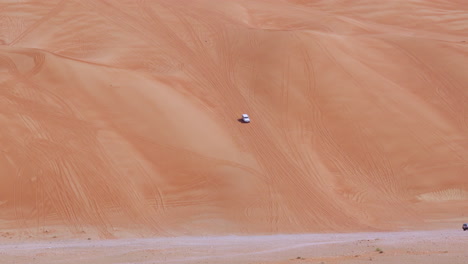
pixel 241 120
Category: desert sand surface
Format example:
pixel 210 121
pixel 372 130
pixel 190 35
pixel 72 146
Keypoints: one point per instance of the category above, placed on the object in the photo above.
pixel 120 119
pixel 414 247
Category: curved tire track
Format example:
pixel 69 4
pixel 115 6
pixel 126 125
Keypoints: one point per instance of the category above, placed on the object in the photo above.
pixel 59 7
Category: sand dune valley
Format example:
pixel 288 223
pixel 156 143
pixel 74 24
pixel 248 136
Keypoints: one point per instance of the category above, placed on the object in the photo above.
pixel 121 140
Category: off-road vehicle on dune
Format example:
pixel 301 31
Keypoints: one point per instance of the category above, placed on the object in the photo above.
pixel 465 227
pixel 245 118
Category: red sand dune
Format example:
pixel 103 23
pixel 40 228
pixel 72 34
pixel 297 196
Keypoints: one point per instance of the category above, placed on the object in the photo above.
pixel 121 117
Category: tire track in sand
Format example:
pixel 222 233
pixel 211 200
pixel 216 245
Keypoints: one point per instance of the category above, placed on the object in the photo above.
pixel 182 152
pixel 377 169
pixel 284 175
pixel 53 12
pixel 59 167
pixel 305 162
pixel 440 81
pixel 319 128
pixel 38 57
pixel 130 201
pixel 281 170
pixel 455 147
pixel 357 83
pixel 430 76
pixel 18 179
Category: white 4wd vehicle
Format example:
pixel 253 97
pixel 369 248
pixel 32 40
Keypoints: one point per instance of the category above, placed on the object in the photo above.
pixel 245 118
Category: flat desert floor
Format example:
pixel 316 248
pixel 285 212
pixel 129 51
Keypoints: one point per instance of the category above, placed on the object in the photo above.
pixel 121 120
pixel 431 247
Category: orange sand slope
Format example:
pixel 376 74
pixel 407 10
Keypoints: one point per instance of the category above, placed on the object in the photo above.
pixel 122 116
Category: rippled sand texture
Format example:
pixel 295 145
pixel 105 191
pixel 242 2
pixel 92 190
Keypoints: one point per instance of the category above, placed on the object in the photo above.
pixel 121 117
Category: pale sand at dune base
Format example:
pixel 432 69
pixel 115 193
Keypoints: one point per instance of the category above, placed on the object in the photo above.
pixel 431 247
pixel 120 120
